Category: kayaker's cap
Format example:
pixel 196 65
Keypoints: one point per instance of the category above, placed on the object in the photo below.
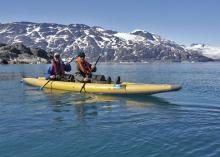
pixel 56 55
pixel 81 54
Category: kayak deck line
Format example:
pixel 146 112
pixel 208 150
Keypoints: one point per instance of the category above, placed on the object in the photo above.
pixel 123 88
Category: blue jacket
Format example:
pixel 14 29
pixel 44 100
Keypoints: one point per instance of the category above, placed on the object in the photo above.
pixel 50 71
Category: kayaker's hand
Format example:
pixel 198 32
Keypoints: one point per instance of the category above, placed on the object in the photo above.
pixel 93 66
pixel 86 79
pixel 52 77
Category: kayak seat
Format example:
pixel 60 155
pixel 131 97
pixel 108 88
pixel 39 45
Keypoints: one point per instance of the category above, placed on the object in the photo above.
pixel 109 80
pixel 68 78
pixel 118 81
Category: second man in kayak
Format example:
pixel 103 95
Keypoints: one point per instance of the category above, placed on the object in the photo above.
pixel 83 68
pixel 84 71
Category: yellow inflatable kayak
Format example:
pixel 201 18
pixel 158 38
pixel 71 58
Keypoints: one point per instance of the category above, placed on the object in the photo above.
pixel 123 88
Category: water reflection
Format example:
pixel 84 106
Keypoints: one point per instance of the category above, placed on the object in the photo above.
pixel 73 98
pixel 89 104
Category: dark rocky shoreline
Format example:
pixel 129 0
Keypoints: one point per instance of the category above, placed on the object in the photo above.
pixel 19 54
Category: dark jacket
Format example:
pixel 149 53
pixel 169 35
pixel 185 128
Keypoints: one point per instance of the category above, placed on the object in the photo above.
pixel 50 71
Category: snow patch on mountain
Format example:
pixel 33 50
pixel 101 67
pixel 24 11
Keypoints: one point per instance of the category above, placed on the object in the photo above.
pixel 100 29
pixel 206 50
pixel 129 36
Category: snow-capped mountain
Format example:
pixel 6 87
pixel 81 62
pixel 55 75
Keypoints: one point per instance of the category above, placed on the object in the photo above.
pixel 135 46
pixel 206 50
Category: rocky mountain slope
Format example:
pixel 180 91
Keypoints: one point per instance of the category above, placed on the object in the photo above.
pixel 136 46
pixel 18 53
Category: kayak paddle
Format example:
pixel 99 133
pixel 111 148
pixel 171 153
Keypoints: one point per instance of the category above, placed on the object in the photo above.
pixel 41 88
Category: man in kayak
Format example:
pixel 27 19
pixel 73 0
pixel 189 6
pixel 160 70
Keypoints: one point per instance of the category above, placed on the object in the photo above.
pixel 56 70
pixel 84 71
pixel 83 68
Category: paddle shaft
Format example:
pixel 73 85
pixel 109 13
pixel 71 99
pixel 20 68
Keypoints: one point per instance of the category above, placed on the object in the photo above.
pixel 45 84
pixel 83 87
pixel 97 60
pixel 71 60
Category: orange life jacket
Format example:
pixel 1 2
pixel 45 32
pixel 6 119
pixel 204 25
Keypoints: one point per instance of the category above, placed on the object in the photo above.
pixel 84 66
pixel 58 68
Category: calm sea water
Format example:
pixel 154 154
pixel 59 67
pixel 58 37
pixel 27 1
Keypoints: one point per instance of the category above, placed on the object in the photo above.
pixel 47 123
